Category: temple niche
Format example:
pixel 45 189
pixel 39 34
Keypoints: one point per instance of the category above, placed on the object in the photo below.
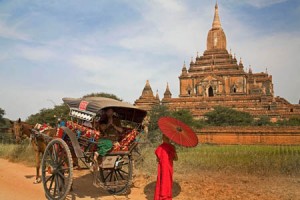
pixel 218 78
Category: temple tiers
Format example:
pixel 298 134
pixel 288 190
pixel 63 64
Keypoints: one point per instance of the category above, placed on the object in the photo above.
pixel 217 78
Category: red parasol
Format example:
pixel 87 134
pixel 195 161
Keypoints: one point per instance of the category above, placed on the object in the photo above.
pixel 178 132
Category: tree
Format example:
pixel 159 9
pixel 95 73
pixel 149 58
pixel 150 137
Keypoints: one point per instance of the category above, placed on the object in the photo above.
pixel 184 116
pixel 162 111
pixel 224 116
pixel 187 117
pixel 157 112
pixel 2 113
pixel 103 94
pixel 50 115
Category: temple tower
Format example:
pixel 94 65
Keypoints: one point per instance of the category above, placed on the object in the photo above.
pixel 217 78
pixel 147 100
pixel 216 38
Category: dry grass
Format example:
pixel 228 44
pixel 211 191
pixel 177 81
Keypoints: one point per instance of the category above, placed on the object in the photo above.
pixel 17 152
pixel 246 159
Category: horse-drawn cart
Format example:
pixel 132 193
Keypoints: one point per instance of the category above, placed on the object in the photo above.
pixel 79 140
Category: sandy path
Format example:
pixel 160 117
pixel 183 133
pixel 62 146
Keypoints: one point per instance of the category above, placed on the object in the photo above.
pixel 16 182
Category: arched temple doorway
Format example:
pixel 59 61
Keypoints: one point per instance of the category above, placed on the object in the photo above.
pixel 210 92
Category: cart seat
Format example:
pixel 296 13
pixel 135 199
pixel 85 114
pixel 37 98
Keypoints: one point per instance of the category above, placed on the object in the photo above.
pixel 127 140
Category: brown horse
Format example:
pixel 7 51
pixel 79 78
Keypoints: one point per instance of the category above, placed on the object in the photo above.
pixel 38 142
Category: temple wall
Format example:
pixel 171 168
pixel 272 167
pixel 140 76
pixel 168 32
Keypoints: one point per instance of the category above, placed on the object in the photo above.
pixel 250 135
pixel 184 85
pixel 257 105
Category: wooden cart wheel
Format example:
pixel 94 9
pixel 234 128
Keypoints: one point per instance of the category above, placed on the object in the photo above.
pixel 57 170
pixel 118 180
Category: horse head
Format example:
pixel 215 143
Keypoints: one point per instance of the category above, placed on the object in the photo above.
pixel 17 129
pixel 21 129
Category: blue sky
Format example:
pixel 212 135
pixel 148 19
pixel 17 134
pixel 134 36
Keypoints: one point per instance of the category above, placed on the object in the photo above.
pixel 53 49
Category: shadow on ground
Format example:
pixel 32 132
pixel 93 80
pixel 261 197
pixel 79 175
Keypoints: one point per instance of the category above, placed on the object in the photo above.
pixel 83 188
pixel 150 189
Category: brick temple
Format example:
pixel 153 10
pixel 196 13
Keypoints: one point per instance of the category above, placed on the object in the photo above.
pixel 218 78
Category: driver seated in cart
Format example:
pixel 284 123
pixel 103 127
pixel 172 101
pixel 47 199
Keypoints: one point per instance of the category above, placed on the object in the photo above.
pixel 110 129
pixel 110 125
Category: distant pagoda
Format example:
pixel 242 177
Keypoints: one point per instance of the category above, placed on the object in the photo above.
pixel 217 78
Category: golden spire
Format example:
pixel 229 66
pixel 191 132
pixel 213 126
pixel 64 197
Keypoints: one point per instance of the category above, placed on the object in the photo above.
pixel 216 23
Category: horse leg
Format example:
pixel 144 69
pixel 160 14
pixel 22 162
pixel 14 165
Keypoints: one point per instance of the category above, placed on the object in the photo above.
pixel 38 163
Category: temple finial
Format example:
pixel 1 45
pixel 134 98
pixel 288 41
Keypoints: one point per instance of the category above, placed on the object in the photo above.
pixel 216 23
pixel 157 95
pixel 192 60
pixel 167 93
pixel 250 70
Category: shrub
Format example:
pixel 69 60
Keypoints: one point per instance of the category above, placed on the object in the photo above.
pixel 224 116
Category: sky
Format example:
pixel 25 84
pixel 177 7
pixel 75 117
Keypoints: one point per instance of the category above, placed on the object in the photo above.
pixel 68 48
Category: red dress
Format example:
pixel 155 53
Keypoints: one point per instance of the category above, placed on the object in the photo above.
pixel 165 153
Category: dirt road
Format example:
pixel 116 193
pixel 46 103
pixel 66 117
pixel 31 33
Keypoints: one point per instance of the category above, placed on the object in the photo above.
pixel 16 182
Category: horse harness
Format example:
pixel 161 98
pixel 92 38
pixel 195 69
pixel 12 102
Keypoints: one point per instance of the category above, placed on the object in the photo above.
pixel 35 136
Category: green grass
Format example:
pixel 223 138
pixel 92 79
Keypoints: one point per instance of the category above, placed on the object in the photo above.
pixel 247 159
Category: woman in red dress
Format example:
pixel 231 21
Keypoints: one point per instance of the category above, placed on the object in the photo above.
pixel 165 154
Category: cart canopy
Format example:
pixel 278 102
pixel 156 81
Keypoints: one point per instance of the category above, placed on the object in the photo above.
pixel 88 107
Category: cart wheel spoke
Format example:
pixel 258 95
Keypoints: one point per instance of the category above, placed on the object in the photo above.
pixel 118 171
pixel 115 176
pixel 54 154
pixel 61 175
pixel 111 175
pixel 48 178
pixel 108 175
pixel 123 171
pixel 55 185
pixel 52 180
